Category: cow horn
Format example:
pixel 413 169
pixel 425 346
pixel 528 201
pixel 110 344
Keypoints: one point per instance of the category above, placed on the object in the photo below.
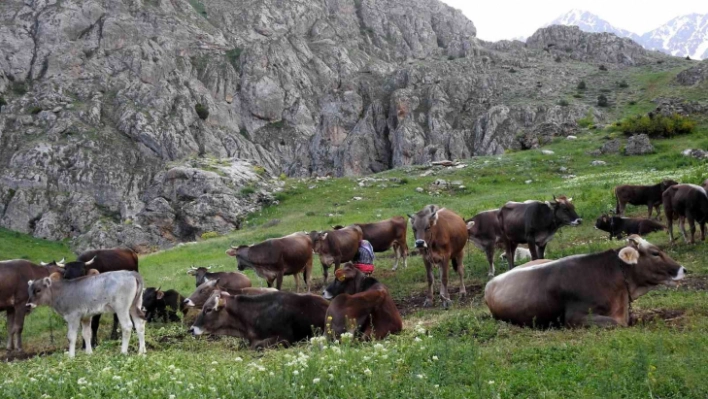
pixel 209 268
pixel 43 263
pixel 89 263
pixel 232 244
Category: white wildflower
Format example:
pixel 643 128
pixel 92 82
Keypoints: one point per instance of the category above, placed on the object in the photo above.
pixel 491 382
pixel 367 371
pixel 436 386
pixel 316 381
pixel 435 358
pixel 171 367
pixel 271 374
pixel 116 378
pixel 82 381
pixel 32 379
pixel 420 376
pixel 295 372
pixel 214 362
pixel 172 396
pixel 417 339
pixel 238 359
pixel 105 370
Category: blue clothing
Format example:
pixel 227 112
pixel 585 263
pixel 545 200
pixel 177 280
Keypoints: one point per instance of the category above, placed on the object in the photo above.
pixel 365 255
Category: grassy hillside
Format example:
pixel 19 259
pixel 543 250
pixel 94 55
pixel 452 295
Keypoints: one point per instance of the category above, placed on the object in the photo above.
pixel 457 353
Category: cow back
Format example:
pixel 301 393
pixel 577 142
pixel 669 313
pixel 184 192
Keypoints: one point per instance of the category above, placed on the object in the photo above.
pixel 382 234
pixel 110 260
pixel 14 275
pixel 486 225
pixel 344 243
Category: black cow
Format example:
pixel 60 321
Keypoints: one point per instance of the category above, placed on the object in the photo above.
pixel 534 223
pixel 162 305
pixel 617 226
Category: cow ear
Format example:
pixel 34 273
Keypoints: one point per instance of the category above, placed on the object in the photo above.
pixel 47 282
pixel 220 303
pixel 434 219
pixel 637 241
pixel 629 255
pixel 570 199
pixel 324 236
pixel 92 272
pixel 470 224
pixel 160 294
pixel 56 276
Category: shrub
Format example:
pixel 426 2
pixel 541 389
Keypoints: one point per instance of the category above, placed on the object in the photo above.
pixel 657 125
pixel 512 70
pixel 582 85
pixel 35 110
pixel 558 58
pixel 209 235
pixel 632 102
pixel 260 171
pixel 234 57
pixel 310 213
pixel 202 111
pixel 603 68
pixel 578 95
pixel 243 132
pixel 688 58
pixel 19 88
pixel 282 176
pixel 450 57
pixel 623 84
pixel 3 102
pixel 404 180
pixel 563 103
pixel 602 101
pixel 568 49
pixel 247 190
pixel 660 62
pixel 587 121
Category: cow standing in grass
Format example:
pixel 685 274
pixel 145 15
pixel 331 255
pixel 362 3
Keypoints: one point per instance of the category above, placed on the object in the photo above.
pixel 390 233
pixel 642 195
pixel 686 202
pixel 336 246
pixel 440 236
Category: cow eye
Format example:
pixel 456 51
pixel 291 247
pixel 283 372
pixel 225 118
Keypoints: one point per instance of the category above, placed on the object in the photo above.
pixel 427 228
pixel 654 253
pixel 208 310
pixel 38 291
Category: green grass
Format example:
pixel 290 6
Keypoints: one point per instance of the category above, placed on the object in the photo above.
pixel 462 352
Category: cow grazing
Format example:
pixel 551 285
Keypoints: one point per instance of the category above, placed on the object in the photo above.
pixel 78 299
pixel 14 275
pixel 520 254
pixel 272 259
pixel 484 232
pixel 581 290
pixel 161 305
pixel 534 223
pixel 641 195
pixel 617 226
pixel 205 291
pixel 102 260
pixel 228 280
pixel 686 201
pixel 276 318
pixel 440 236
pixel 386 234
pixel 336 246
pixel 360 305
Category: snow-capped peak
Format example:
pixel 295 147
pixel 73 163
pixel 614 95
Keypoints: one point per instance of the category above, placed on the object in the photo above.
pixel 590 22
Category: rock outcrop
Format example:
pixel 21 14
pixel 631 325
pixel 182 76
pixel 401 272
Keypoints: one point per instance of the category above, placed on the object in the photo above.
pixel 695 75
pixel 638 145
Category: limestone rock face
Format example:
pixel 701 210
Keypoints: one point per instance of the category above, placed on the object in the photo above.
pixel 694 75
pixel 100 140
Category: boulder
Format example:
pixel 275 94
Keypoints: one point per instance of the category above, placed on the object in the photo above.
pixel 638 145
pixel 611 147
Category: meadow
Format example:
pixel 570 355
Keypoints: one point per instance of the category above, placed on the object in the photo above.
pixel 461 352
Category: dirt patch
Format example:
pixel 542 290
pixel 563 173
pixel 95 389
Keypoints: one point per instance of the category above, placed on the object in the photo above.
pixel 413 303
pixel 17 356
pixel 644 317
pixel 694 283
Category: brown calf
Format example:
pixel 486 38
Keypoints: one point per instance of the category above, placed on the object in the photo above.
pixel 336 246
pixel 641 195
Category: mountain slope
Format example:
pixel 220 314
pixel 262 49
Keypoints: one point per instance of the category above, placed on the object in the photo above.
pixel 683 36
pixel 589 22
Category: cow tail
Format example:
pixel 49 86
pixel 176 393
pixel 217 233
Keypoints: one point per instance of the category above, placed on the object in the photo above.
pixel 138 300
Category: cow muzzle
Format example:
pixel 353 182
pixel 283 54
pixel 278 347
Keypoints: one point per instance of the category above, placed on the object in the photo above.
pixel 576 222
pixel 327 295
pixel 681 274
pixel 30 305
pixel 194 330
pixel 421 244
pixel 188 302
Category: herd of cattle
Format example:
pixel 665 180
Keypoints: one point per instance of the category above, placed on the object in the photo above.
pixel 573 291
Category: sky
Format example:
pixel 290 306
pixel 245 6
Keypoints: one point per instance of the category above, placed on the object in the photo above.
pixel 507 19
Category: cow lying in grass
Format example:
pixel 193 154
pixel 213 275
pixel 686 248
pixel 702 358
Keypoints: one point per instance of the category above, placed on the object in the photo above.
pixel 618 226
pixel 360 305
pixel 206 290
pixel 581 290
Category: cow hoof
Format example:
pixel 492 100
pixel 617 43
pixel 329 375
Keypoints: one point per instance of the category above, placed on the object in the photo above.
pixel 428 303
pixel 490 275
pixel 394 269
pixel 446 304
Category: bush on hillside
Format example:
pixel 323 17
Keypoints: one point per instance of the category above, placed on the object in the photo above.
pixel 587 121
pixel 202 111
pixel 658 125
pixel 603 68
pixel 602 101
pixel 623 84
pixel 582 85
pixel 558 58
pixel 563 103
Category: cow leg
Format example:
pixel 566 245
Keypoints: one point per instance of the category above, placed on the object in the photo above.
pixel 670 226
pixel 397 251
pixel 431 278
pixel 510 251
pixel 457 262
pixel 531 240
pixel 279 280
pixel 651 208
pixel 114 332
pixel 692 227
pixel 658 211
pixel 577 319
pixel 444 295
pixel 126 328
pixel 542 251
pixel 489 251
pixel 10 328
pixel 703 230
pixel 682 227
pixel 297 281
pixel 86 334
pixel 18 326
pixel 325 273
pixel 95 321
pixel 72 332
pixel 307 275
pixel 140 329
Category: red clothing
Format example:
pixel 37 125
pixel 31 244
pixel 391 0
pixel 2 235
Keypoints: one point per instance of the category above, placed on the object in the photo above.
pixel 364 268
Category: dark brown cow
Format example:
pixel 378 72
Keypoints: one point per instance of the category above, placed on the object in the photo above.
pixel 336 246
pixel 440 235
pixel 534 223
pixel 386 234
pixel 14 276
pixel 228 280
pixel 617 226
pixel 205 291
pixel 272 259
pixel 360 305
pixel 581 290
pixel 686 201
pixel 484 232
pixel 102 260
pixel 277 318
pixel 642 195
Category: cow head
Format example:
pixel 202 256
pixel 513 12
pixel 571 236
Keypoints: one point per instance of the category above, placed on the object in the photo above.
pixel 667 183
pixel 564 211
pixel 241 254
pixel 649 265
pixel 212 316
pixel 40 290
pixel 151 297
pixel 318 240
pixel 470 226
pixel 202 294
pixel 346 281
pixel 422 224
pixel 604 223
pixel 199 273
pixel 77 269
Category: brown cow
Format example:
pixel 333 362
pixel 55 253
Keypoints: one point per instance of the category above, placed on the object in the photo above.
pixel 14 276
pixel 276 318
pixel 484 232
pixel 686 201
pixel 272 259
pixel 581 290
pixel 386 234
pixel 440 235
pixel 228 280
pixel 360 305
pixel 205 291
pixel 336 246
pixel 642 195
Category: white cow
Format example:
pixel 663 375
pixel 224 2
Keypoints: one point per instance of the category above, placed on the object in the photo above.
pixel 77 300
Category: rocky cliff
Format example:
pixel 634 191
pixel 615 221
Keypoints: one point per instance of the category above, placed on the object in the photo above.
pixel 149 122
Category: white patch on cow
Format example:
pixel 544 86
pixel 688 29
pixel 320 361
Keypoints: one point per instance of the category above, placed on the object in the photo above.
pixel 32 305
pixel 642 243
pixel 197 331
pixel 521 269
pixel 30 282
pixel 680 275
pixel 470 224
pixel 188 302
pixel 576 222
pixel 699 188
pixel 570 199
pixel 629 255
pixel 324 237
pixel 327 295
